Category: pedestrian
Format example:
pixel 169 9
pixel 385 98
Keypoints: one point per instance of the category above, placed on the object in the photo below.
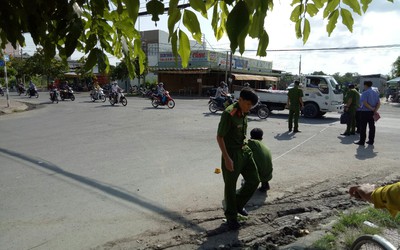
pixel 381 197
pixel 294 104
pixel 369 105
pixel 262 158
pixel 352 103
pixel 237 158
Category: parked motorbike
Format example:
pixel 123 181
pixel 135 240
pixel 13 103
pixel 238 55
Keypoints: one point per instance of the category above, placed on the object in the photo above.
pixel 32 92
pixel 20 89
pixel 261 110
pixel 1 92
pixel 113 99
pixel 156 100
pixel 67 94
pixel 98 95
pixel 214 105
pixel 54 95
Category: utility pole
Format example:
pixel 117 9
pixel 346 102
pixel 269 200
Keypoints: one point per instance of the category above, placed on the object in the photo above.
pixel 6 59
pixel 226 68
pixel 300 68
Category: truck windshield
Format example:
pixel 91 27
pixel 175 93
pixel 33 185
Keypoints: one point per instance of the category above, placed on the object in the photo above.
pixel 334 85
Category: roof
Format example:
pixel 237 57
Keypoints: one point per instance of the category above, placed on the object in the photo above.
pixel 394 80
pixel 254 77
pixel 200 70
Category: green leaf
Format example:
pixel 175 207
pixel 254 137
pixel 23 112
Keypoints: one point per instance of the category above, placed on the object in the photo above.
pixel 365 4
pixel 155 8
pixel 331 7
pixel 296 13
pixel 306 30
pixel 347 19
pixel 263 44
pixel 174 45
pixel 242 38
pixel 92 59
pixel 173 18
pixel 215 19
pixel 73 36
pixel 184 48
pixel 312 10
pixel 295 2
pixel 298 29
pixel 139 54
pixel 192 24
pixel 228 2
pixel 237 21
pixel 354 5
pixel 332 21
pixel 132 6
pixel 200 6
pixel 319 4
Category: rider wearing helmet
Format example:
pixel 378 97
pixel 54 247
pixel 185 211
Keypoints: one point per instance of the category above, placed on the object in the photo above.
pixel 116 90
pixel 161 91
pixel 220 94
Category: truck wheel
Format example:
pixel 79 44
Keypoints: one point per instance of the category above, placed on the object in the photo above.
pixel 310 110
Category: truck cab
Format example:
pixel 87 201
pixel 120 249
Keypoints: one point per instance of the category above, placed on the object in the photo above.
pixel 321 94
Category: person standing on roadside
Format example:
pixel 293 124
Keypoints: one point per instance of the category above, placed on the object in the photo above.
pixel 369 105
pixel 294 104
pixel 262 158
pixel 237 157
pixel 352 102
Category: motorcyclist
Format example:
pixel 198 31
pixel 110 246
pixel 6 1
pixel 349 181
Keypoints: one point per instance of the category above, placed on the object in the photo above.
pixel 220 94
pixel 96 88
pixel 32 88
pixel 161 92
pixel 116 90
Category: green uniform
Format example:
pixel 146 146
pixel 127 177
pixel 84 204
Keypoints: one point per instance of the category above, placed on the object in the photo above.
pixel 262 158
pixel 232 127
pixel 355 103
pixel 294 96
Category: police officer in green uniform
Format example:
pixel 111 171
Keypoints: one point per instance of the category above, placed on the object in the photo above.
pixel 294 103
pixel 352 101
pixel 262 158
pixel 237 157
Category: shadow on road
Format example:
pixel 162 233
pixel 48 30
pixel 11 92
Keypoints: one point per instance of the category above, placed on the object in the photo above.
pixel 364 153
pixel 114 191
pixel 284 136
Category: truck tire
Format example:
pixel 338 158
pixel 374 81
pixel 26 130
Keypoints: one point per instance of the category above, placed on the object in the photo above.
pixel 310 110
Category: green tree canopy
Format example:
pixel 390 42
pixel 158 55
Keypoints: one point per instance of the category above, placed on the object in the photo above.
pixel 98 26
pixel 396 68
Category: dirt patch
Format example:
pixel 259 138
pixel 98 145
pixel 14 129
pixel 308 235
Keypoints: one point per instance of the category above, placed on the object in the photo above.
pixel 274 224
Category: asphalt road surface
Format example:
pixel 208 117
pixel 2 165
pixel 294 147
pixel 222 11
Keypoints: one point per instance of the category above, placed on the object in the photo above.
pixel 76 175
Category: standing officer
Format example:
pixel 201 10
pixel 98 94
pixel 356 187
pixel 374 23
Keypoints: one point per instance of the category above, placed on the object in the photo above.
pixel 294 103
pixel 352 101
pixel 370 104
pixel 237 157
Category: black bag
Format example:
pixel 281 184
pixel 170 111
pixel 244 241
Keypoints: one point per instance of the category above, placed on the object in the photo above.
pixel 345 118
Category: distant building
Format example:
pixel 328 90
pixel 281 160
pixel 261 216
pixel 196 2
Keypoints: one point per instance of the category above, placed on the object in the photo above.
pixel 11 51
pixel 378 81
pixel 206 68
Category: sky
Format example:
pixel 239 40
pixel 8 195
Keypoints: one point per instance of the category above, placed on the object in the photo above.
pixel 378 26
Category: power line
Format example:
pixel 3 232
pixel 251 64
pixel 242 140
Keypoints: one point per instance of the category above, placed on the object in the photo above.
pixel 333 48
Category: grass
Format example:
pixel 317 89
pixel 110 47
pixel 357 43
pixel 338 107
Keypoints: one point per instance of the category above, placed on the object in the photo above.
pixel 351 226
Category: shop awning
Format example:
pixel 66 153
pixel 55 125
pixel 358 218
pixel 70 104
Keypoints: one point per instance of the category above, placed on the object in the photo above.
pixel 254 77
pixel 181 70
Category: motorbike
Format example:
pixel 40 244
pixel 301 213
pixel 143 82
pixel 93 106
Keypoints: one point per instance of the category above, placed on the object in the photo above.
pixel 67 94
pixel 32 92
pixel 20 89
pixel 54 95
pixel 214 105
pixel 156 100
pixel 261 110
pixel 98 95
pixel 113 99
pixel 1 92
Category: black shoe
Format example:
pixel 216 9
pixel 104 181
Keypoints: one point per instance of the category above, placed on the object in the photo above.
pixel 345 134
pixel 243 212
pixel 359 143
pixel 296 131
pixel 370 143
pixel 290 130
pixel 353 133
pixel 264 187
pixel 233 224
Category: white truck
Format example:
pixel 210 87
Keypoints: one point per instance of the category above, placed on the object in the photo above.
pixel 321 94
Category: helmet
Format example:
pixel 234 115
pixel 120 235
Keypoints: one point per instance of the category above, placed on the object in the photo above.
pixel 246 84
pixel 161 83
pixel 115 83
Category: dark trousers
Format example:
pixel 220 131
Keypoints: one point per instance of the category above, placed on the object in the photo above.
pixel 367 117
pixel 294 114
pixel 351 124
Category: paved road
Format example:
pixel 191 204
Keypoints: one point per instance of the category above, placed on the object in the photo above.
pixel 75 175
